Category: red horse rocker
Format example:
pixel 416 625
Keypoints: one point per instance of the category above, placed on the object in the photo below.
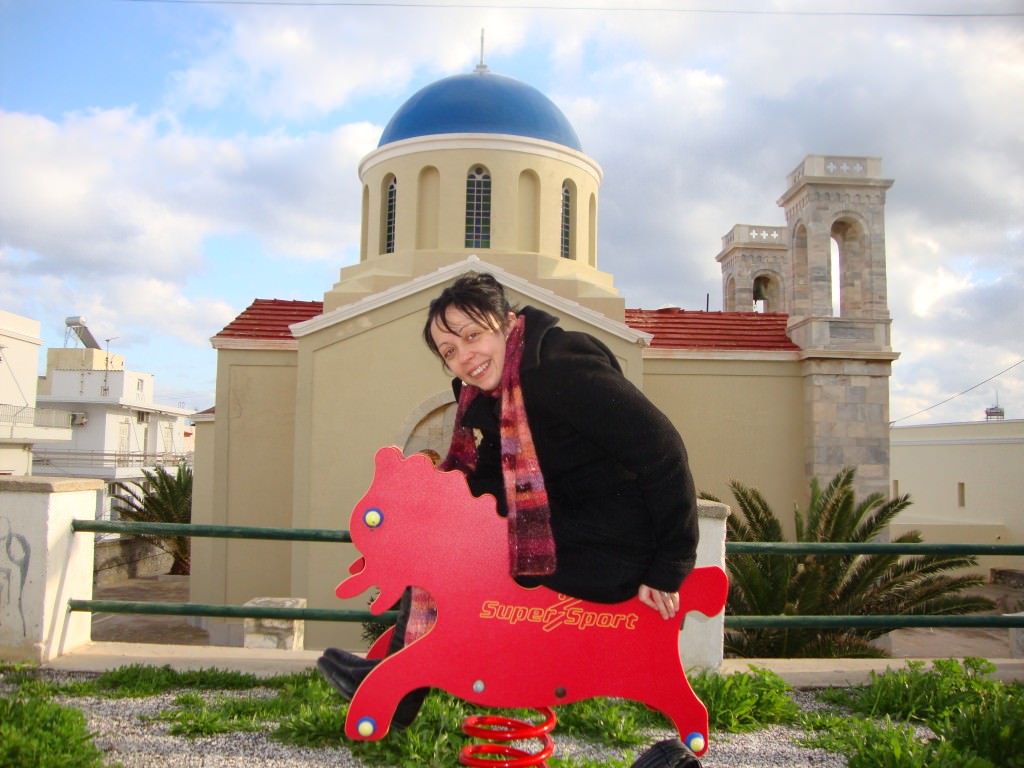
pixel 495 643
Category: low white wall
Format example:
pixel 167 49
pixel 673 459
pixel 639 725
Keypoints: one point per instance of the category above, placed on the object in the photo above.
pixel 702 641
pixel 43 565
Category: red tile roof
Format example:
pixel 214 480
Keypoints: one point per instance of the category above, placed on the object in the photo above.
pixel 675 328
pixel 672 328
pixel 270 318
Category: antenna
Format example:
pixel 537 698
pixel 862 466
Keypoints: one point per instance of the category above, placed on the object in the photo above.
pixel 105 390
pixel 481 68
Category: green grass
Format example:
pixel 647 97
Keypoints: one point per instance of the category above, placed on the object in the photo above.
pixel 36 732
pixel 304 710
pixel 967 718
pixel 953 714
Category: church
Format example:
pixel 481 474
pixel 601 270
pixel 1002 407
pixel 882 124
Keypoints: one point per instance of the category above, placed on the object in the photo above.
pixel 483 172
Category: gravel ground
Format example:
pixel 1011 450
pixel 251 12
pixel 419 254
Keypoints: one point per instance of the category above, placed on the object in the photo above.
pixel 122 730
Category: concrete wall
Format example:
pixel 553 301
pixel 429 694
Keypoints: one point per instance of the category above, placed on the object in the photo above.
pixel 702 641
pixel 43 565
pixel 19 359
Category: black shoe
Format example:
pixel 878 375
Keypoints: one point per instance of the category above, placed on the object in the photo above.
pixel 344 670
pixel 671 753
pixel 409 707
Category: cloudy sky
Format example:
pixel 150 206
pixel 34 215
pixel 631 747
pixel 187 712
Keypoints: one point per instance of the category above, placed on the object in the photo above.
pixel 163 163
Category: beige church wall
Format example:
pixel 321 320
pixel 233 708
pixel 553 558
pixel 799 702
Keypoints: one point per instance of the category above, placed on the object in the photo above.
pixel 741 420
pixel 360 381
pixel 508 160
pixel 966 484
pixel 204 472
pixel 252 479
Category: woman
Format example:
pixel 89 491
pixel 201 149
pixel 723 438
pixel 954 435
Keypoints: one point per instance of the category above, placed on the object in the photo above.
pixel 593 477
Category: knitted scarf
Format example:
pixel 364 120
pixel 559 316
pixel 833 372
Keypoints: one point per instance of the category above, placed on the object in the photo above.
pixel 531 544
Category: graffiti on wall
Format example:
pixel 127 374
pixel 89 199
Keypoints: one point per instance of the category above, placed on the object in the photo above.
pixel 15 554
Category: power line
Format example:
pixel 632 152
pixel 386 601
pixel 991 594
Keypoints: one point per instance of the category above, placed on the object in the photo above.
pixel 953 397
pixel 529 7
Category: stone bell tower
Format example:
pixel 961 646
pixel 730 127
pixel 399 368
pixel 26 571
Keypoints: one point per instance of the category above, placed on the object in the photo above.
pixel 834 238
pixel 835 211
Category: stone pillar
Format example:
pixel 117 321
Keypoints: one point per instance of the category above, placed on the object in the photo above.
pixel 846 417
pixel 286 634
pixel 702 641
pixel 43 565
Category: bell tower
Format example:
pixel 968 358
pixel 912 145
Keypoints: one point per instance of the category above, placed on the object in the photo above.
pixel 839 314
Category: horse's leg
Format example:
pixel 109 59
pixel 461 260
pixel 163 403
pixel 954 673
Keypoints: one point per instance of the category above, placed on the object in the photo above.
pixel 375 701
pixel 675 699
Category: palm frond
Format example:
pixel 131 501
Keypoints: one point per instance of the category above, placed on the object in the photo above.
pixel 835 584
pixel 161 498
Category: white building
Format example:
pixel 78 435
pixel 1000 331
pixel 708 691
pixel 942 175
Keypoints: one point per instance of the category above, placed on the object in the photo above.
pixel 117 427
pixel 22 425
pixel 966 483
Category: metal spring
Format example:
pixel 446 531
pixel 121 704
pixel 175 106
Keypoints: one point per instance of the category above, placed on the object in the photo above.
pixel 503 729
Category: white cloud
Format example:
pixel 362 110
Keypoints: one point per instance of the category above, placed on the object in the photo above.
pixel 695 118
pixel 304 62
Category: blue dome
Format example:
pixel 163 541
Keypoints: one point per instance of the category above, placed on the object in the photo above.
pixel 480 103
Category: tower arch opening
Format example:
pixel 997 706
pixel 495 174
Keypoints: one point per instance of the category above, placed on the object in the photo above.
pixel 851 266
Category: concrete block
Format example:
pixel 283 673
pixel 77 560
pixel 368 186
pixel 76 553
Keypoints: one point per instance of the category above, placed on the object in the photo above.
pixel 284 634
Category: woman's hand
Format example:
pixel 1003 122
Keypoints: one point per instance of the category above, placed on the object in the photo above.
pixel 665 603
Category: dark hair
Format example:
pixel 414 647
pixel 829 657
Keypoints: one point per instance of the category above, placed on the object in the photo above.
pixel 477 294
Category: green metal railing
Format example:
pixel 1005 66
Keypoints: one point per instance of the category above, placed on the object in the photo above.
pixel 324 535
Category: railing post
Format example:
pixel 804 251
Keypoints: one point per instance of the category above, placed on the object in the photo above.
pixel 43 564
pixel 702 641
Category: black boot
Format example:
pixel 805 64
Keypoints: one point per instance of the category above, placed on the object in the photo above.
pixel 671 753
pixel 346 671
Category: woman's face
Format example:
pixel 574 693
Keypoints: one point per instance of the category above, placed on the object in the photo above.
pixel 475 352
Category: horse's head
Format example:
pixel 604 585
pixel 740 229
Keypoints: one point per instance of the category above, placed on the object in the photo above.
pixel 402 525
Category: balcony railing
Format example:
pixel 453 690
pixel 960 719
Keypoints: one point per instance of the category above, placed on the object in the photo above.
pixel 66 458
pixel 24 416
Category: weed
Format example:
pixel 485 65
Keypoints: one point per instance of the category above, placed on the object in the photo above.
pixel 885 744
pixel 917 693
pixel 40 733
pixel 744 702
pixel 991 725
pixel 975 720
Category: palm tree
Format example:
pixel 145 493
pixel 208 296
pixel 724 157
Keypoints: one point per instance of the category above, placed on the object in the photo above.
pixel 835 584
pixel 162 498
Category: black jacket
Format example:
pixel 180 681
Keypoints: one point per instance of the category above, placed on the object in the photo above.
pixel 623 506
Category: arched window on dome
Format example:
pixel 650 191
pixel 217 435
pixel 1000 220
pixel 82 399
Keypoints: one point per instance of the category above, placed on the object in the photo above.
pixel 568 239
pixel 389 202
pixel 478 208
